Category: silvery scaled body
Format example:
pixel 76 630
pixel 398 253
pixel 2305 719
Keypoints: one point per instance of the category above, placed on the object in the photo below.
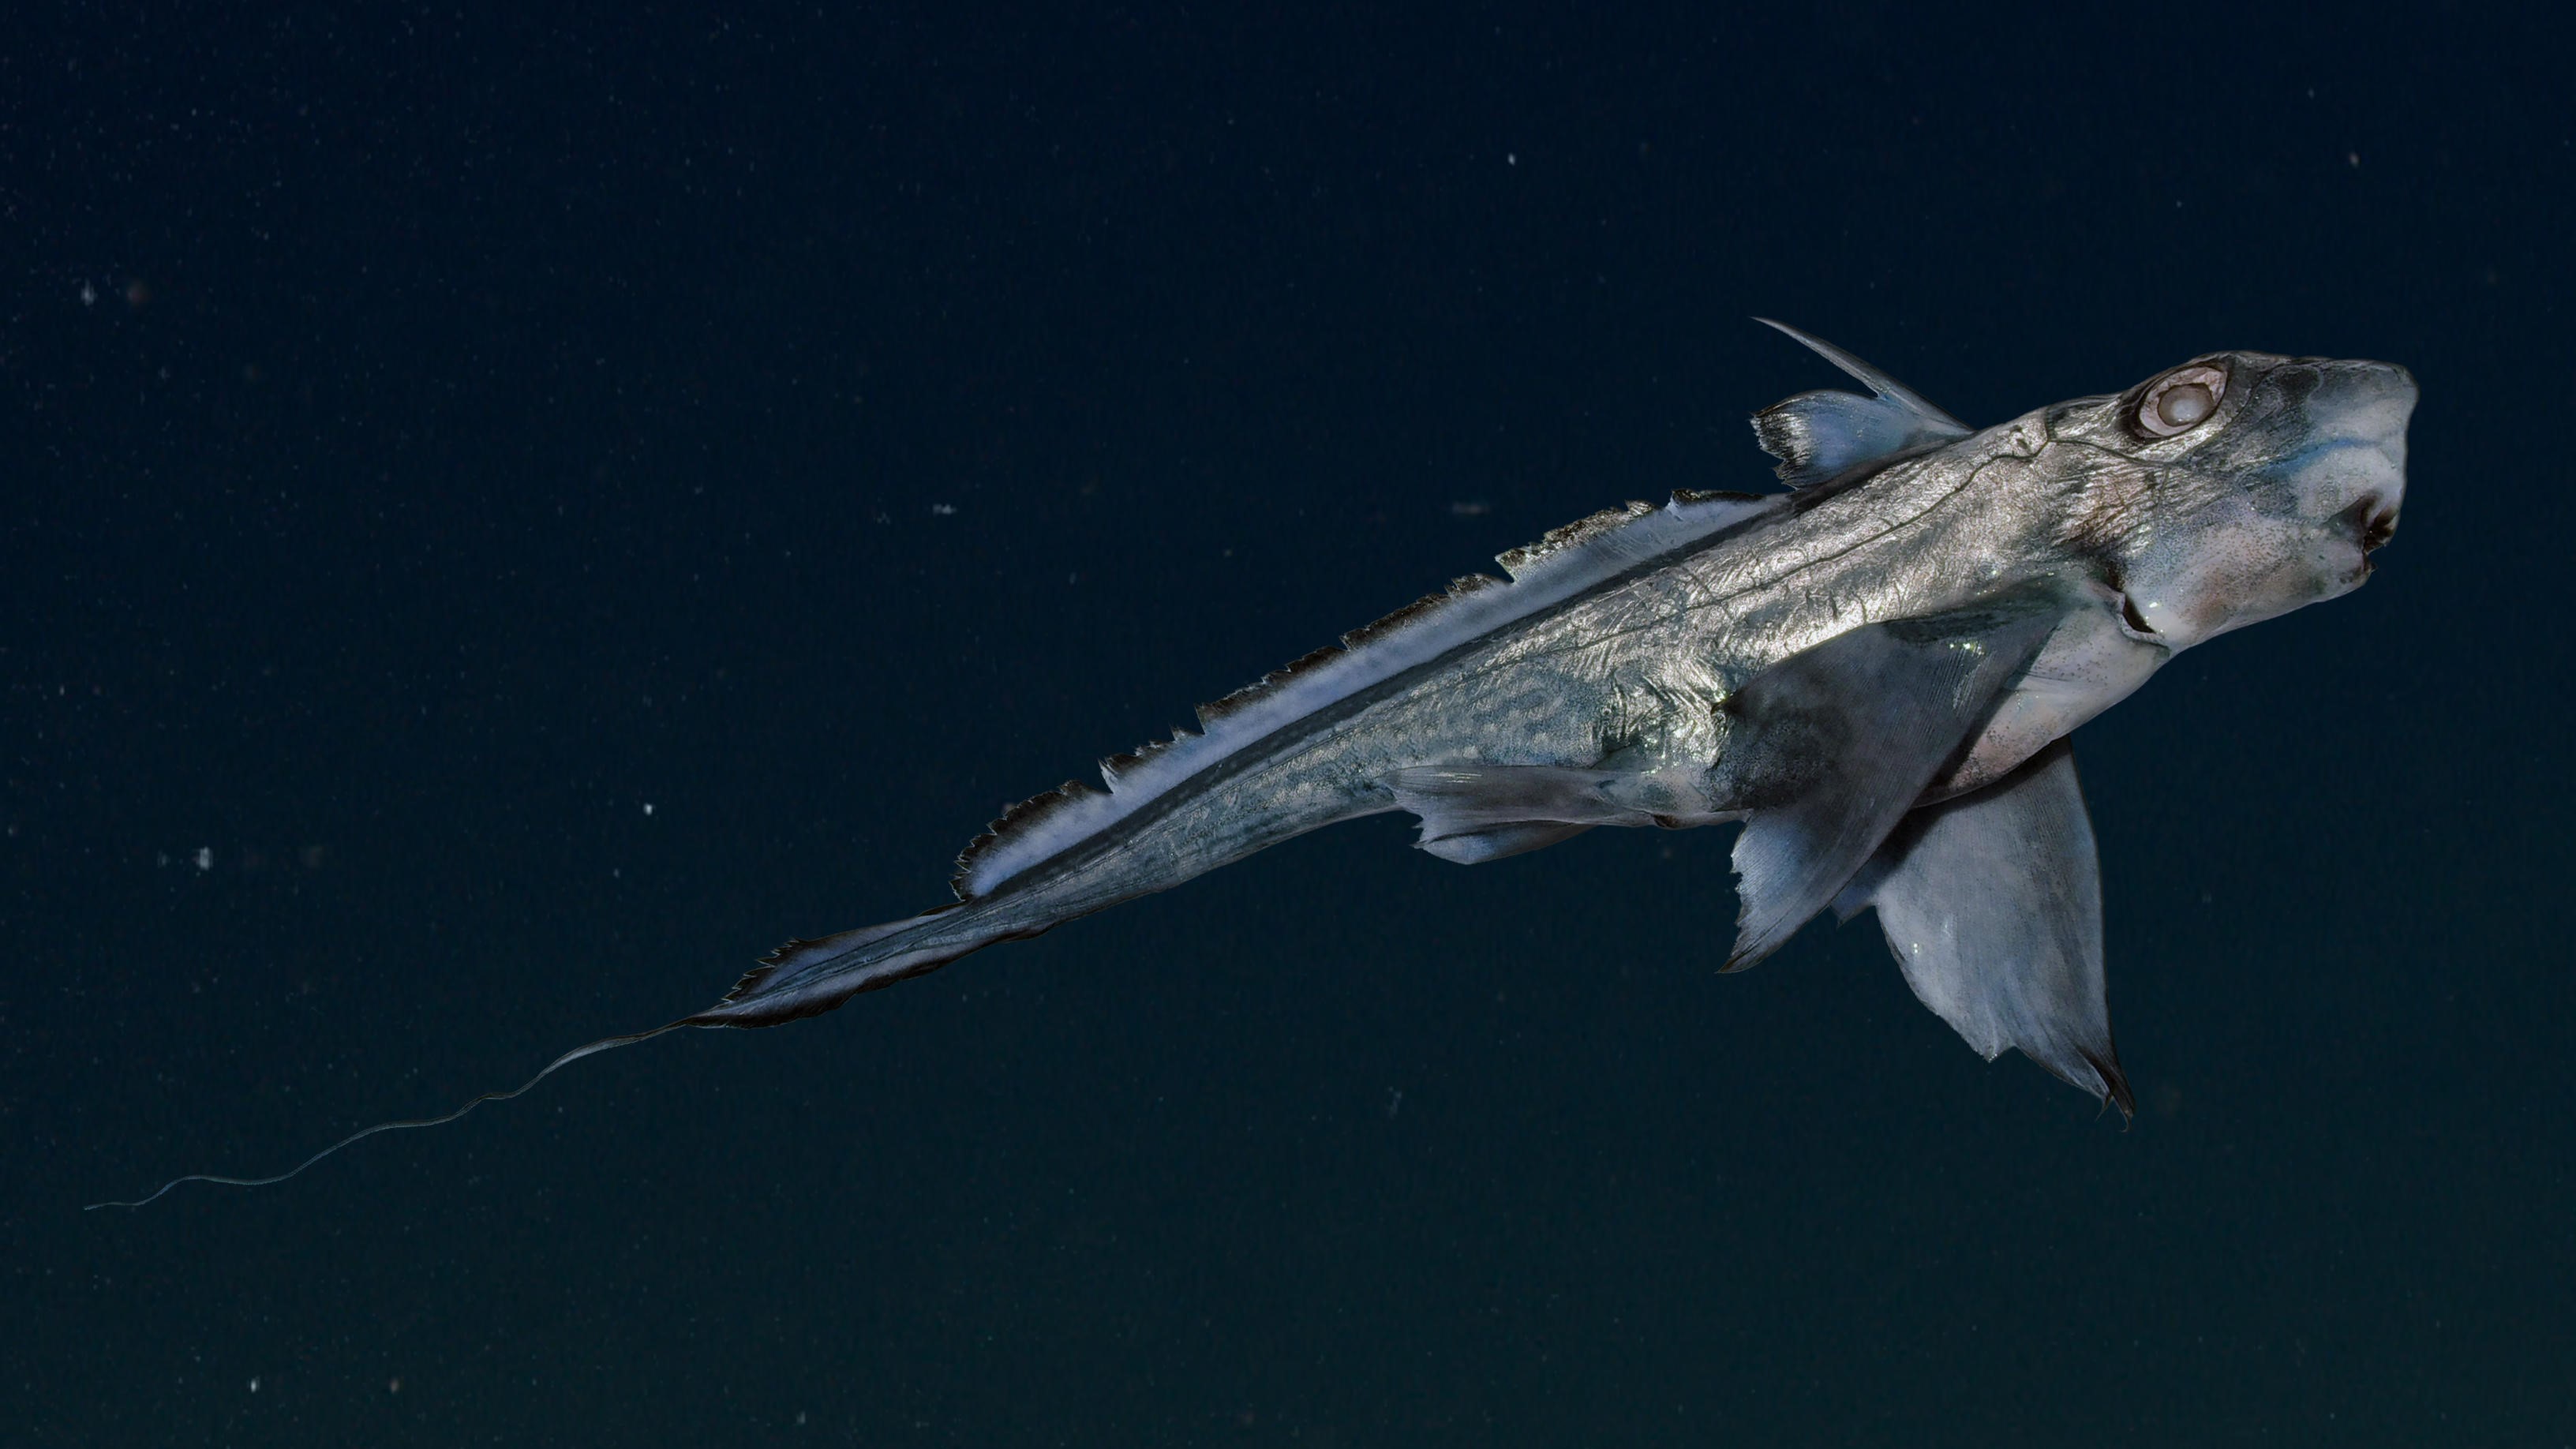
pixel 1875 672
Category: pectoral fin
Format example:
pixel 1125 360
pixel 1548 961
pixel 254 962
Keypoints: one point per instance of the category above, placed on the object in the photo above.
pixel 1836 743
pixel 1993 905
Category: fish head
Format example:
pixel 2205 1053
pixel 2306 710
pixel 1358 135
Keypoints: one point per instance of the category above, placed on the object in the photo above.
pixel 2234 488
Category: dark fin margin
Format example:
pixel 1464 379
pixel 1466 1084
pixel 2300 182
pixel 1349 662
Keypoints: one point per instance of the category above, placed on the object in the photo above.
pixel 1026 815
pixel 798 952
pixel 1115 769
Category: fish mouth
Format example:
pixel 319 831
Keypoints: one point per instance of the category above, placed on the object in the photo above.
pixel 2372 521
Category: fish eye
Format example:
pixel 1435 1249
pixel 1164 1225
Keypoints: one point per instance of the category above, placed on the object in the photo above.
pixel 2180 401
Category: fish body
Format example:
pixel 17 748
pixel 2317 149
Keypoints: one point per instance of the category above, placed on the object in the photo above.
pixel 1875 672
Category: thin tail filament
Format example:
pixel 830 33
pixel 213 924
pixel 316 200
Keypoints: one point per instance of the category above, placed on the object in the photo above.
pixel 604 1044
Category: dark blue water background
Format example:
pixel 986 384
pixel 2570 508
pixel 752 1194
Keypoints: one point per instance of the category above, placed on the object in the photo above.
pixel 508 516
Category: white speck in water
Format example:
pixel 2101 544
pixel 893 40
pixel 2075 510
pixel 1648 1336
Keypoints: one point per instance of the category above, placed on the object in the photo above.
pixel 89 295
pixel 254 1383
pixel 205 857
pixel 648 807
pixel 944 510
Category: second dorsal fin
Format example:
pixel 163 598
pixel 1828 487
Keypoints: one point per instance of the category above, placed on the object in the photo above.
pixel 1818 436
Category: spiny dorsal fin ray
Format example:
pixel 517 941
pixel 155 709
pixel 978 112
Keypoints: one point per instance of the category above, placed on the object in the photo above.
pixel 1818 436
pixel 1556 569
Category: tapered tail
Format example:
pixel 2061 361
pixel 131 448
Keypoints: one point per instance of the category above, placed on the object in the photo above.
pixel 807 978
pixel 799 979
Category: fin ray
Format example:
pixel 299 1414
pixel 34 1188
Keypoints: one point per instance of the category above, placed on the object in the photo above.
pixel 1819 436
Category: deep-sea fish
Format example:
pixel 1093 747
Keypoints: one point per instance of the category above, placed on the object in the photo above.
pixel 1875 672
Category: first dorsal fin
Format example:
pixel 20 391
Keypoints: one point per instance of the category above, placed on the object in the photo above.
pixel 1819 436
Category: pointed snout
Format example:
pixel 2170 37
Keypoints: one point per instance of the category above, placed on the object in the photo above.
pixel 2351 464
pixel 2362 411
pixel 2368 396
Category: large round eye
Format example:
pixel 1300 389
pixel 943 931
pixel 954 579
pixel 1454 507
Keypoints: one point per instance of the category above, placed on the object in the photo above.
pixel 2181 400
